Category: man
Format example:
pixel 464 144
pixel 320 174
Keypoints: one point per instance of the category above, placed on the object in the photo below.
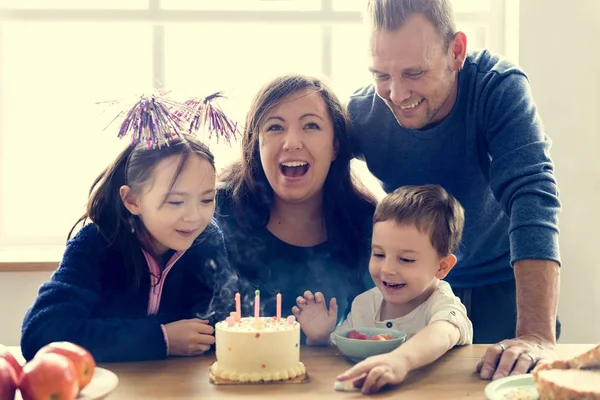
pixel 437 114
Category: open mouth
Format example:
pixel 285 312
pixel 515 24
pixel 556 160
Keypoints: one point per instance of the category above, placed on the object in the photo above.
pixel 393 285
pixel 410 106
pixel 294 169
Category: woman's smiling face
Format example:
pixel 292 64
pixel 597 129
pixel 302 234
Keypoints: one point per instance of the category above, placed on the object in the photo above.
pixel 296 142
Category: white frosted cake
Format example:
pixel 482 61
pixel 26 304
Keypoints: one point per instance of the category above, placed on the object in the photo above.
pixel 258 351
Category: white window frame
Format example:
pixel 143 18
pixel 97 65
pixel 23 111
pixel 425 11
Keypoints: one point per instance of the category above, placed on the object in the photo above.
pixel 501 21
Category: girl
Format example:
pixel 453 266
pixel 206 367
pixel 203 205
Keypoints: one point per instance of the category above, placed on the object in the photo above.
pixel 132 281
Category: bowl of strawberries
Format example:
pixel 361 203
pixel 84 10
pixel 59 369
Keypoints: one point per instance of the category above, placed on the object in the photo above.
pixel 360 343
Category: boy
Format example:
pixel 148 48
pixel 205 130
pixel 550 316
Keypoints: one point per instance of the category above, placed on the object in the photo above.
pixel 415 233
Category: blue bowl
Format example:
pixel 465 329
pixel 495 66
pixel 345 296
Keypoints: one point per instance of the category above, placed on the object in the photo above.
pixel 357 350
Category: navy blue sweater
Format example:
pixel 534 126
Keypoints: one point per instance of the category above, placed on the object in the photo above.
pixel 490 152
pixel 87 301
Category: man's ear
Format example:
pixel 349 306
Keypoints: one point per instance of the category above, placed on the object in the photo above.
pixel 130 200
pixel 458 50
pixel 446 265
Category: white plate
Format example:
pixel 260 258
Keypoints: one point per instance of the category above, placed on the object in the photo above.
pixel 516 387
pixel 102 384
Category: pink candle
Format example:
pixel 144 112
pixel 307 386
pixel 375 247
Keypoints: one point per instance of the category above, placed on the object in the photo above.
pixel 238 308
pixel 278 307
pixel 256 303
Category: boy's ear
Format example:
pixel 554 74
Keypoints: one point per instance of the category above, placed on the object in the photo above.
pixel 446 265
pixel 130 200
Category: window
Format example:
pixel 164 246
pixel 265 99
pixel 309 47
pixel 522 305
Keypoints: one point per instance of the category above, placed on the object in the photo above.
pixel 59 58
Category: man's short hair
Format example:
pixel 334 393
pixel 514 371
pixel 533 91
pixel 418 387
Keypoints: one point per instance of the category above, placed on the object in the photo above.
pixel 390 15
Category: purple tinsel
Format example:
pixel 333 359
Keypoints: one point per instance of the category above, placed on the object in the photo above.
pixel 156 120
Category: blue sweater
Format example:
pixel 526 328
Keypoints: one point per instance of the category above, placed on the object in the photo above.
pixel 88 302
pixel 490 152
pixel 265 262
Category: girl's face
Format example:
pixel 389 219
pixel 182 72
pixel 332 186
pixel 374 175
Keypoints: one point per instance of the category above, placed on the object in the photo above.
pixel 296 142
pixel 176 217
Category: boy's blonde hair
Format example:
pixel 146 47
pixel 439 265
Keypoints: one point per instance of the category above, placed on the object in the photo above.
pixel 431 209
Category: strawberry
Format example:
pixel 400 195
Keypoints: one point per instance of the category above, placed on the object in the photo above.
pixel 353 334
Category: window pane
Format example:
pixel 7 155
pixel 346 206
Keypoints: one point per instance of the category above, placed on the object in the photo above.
pixel 262 5
pixel 237 59
pixel 350 60
pixel 460 6
pixel 75 4
pixel 476 35
pixel 53 142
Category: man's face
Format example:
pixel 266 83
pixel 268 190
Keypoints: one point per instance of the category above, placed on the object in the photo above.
pixel 414 72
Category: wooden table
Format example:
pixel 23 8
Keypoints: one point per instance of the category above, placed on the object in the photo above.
pixel 451 377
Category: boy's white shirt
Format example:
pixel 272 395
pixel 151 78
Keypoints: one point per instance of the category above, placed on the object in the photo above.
pixel 442 305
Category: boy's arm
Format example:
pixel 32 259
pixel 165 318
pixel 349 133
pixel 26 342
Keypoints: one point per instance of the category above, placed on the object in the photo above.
pixel 427 345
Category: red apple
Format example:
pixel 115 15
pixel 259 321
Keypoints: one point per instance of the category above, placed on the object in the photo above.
pixel 49 376
pixel 5 354
pixel 8 380
pixel 82 360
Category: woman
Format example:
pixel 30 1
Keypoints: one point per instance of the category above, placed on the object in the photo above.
pixel 293 217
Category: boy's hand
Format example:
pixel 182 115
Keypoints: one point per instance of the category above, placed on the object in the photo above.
pixel 315 320
pixel 377 371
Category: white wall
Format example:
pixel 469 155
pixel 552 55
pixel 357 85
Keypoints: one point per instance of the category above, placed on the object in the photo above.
pixel 17 293
pixel 559 49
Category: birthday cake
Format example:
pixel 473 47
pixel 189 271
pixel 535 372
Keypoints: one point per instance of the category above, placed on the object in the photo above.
pixel 260 349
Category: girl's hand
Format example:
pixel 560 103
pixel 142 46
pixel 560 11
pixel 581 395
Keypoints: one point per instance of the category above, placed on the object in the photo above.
pixel 316 321
pixel 189 337
pixel 377 371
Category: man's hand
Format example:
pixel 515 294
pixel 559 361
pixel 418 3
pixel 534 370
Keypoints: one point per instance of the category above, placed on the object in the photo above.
pixel 316 320
pixel 514 357
pixel 375 372
pixel 537 286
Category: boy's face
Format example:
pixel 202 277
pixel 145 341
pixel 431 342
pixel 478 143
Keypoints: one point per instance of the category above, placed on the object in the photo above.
pixel 177 217
pixel 404 265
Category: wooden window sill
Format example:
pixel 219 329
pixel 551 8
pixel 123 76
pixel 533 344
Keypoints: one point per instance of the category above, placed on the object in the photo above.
pixel 28 266
pixel 30 258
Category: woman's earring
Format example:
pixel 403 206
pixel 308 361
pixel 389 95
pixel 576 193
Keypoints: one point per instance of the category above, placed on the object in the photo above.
pixel 131 224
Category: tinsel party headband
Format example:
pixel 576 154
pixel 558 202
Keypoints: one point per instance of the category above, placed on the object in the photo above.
pixel 156 120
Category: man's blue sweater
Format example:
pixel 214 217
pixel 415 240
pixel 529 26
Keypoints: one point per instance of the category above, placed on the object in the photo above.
pixel 490 152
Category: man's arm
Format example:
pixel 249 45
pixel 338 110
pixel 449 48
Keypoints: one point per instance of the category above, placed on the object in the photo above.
pixel 522 179
pixel 538 283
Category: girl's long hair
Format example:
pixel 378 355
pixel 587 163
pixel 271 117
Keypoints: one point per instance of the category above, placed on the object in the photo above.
pixel 133 167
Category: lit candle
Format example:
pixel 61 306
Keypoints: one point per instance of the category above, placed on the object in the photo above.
pixel 256 303
pixel 238 308
pixel 278 307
